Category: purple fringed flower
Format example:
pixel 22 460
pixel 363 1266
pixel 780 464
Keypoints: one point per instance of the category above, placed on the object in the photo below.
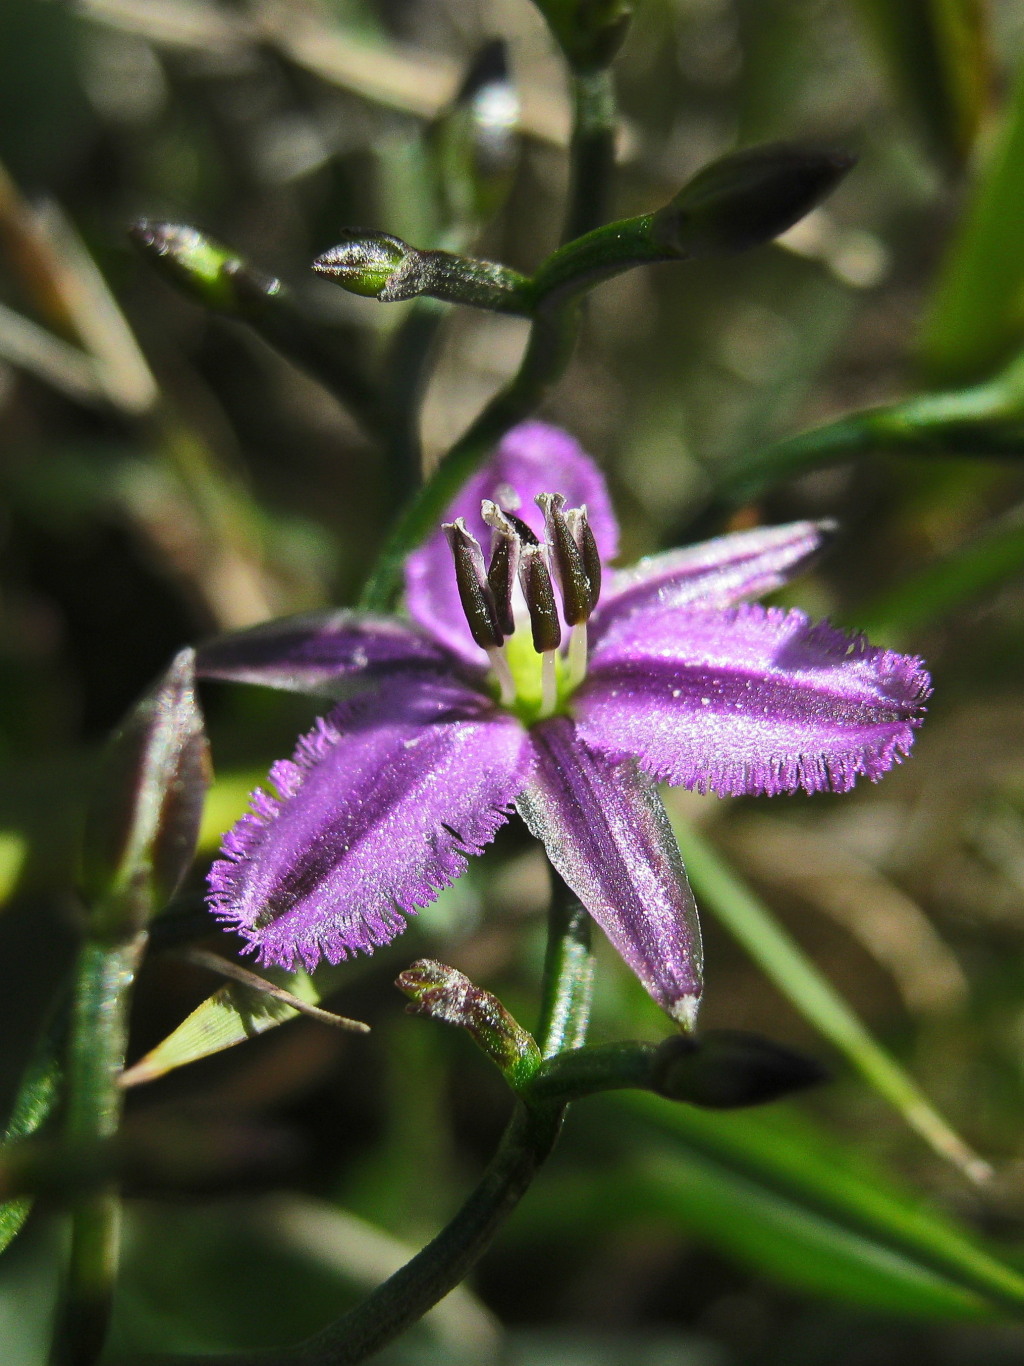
pixel 523 682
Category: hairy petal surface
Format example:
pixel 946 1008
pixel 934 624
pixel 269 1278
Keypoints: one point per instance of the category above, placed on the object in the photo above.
pixel 323 653
pixel 534 458
pixel 718 573
pixel 750 700
pixel 378 810
pixel 606 832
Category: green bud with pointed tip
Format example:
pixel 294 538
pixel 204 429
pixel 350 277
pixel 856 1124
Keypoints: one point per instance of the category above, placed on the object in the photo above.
pixel 383 267
pixel 143 821
pixel 373 264
pixel 212 274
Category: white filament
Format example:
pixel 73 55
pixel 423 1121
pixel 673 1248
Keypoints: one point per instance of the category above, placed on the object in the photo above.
pixel 502 672
pixel 578 655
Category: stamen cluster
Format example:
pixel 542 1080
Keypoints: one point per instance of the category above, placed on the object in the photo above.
pixel 567 557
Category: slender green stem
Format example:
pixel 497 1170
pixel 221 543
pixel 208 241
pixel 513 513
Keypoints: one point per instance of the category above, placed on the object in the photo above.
pixel 548 349
pixel 99 1030
pixel 553 334
pixel 406 372
pixel 591 152
pixel 585 1072
pixel 37 1097
pixel 568 976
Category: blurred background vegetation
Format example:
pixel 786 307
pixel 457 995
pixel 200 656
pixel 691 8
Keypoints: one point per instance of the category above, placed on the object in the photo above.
pixel 166 474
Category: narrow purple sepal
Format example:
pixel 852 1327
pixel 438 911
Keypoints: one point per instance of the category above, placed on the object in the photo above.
pixel 606 832
pixel 534 458
pixel 750 700
pixel 322 653
pixel 378 811
pixel 718 573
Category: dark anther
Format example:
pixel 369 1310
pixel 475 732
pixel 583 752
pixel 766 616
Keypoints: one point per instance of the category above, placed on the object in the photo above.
pixel 524 532
pixel 567 559
pixel 579 526
pixel 540 599
pixel 474 590
pixel 504 567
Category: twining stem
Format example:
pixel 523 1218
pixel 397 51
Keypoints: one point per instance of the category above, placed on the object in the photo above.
pixel 406 374
pixel 591 151
pixel 99 1030
pixel 550 344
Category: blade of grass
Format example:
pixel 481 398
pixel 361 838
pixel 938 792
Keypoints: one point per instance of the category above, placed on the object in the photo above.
pixel 796 976
pixel 778 1192
pixel 937 54
pixel 977 311
pixel 946 585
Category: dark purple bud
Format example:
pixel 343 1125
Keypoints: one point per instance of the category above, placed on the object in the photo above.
pixel 474 590
pixel 143 821
pixel 567 560
pixel 540 599
pixel 374 264
pixel 445 994
pixel 726 1069
pixel 748 198
pixel 502 572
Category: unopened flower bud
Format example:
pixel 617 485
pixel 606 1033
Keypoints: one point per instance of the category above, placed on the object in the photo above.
pixel 726 1069
pixel 474 591
pixel 143 822
pixel 211 273
pixel 747 198
pixel 540 599
pixel 374 264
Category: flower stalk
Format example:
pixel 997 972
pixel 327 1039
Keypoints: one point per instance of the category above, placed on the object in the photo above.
pixel 591 151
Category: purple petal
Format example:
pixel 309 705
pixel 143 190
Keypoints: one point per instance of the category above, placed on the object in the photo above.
pixel 606 832
pixel 319 652
pixel 750 700
pixel 378 811
pixel 718 573
pixel 534 458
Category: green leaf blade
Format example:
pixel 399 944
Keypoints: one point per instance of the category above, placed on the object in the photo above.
pixel 777 1193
